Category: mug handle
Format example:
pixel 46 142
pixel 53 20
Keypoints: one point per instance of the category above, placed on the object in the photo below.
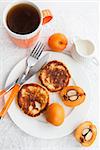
pixel 47 16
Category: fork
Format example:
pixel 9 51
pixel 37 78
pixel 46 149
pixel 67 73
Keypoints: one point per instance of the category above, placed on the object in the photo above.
pixel 33 57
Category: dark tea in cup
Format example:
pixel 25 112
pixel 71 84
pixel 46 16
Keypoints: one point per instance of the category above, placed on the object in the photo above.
pixel 23 19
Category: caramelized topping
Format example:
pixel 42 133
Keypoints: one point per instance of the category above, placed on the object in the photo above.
pixel 54 76
pixel 33 99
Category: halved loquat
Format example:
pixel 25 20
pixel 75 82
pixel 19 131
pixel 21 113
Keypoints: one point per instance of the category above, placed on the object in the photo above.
pixel 86 133
pixel 72 95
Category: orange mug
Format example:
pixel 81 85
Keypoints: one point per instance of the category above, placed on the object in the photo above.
pixel 26 40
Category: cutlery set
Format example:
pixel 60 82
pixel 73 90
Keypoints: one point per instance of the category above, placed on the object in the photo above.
pixel 29 71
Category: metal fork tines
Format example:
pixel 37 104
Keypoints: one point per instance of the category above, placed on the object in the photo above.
pixel 34 56
pixel 36 52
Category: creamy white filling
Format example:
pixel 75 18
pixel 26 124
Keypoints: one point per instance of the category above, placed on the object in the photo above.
pixel 87 133
pixel 72 95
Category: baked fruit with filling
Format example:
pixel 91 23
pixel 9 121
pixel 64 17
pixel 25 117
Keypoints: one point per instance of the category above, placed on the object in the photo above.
pixel 33 99
pixel 54 76
pixel 72 96
pixel 86 133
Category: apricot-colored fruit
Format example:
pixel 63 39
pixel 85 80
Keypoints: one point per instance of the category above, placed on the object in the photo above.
pixel 86 133
pixel 55 114
pixel 57 42
pixel 72 96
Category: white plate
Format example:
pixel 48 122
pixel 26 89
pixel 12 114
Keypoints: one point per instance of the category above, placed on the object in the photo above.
pixel 38 126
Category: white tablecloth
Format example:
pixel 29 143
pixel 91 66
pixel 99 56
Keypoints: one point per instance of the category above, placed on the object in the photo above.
pixel 72 19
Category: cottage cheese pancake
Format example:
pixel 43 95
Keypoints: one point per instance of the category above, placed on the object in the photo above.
pixel 33 99
pixel 54 76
